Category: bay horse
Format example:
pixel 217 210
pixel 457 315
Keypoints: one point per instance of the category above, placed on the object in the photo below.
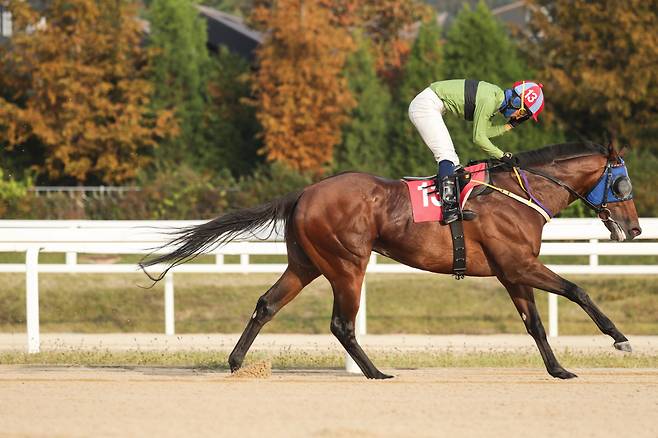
pixel 332 226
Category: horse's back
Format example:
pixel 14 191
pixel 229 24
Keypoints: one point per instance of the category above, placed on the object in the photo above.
pixel 349 208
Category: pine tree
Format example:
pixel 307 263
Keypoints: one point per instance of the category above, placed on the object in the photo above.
pixel 424 66
pixel 231 127
pixel 599 63
pixel 365 137
pixel 478 47
pixel 303 99
pixel 80 91
pixel 180 66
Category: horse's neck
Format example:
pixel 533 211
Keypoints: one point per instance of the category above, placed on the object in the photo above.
pixel 578 173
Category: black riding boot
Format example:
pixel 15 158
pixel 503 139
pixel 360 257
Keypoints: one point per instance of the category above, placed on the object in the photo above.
pixel 449 200
pixel 450 203
pixel 446 185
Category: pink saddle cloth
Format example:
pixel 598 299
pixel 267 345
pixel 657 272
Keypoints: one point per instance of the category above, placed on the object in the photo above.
pixel 426 204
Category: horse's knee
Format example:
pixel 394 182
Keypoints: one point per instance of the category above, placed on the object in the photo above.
pixel 341 328
pixel 575 293
pixel 535 328
pixel 265 310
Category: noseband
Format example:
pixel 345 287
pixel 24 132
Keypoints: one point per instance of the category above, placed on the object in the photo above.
pixel 613 185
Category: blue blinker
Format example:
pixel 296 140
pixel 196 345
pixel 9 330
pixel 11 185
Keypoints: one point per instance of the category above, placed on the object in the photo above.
pixel 613 186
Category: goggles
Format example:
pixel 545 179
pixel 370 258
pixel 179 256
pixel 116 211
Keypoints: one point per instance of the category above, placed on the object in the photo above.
pixel 512 103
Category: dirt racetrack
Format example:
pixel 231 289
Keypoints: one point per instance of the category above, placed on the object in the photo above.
pixel 72 402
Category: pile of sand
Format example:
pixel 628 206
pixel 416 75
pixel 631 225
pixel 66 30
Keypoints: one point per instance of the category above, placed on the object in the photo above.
pixel 257 370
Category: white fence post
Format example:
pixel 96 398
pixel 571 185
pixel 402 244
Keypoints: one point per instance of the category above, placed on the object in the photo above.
pixel 32 299
pixel 170 328
pixel 71 258
pixel 593 258
pixel 552 315
pixel 244 262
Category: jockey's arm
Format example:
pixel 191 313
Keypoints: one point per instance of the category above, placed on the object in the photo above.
pixel 483 129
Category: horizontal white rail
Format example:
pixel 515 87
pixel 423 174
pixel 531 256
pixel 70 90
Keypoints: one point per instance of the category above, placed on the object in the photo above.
pixel 583 236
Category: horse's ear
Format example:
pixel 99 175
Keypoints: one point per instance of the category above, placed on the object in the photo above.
pixel 623 151
pixel 612 151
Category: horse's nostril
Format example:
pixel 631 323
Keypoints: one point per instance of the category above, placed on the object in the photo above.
pixel 636 231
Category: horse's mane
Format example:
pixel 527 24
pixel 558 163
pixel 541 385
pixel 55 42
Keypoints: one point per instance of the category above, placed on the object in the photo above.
pixel 563 151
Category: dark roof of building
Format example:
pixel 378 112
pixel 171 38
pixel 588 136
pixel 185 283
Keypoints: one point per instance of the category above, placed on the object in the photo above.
pixel 230 31
pixel 515 13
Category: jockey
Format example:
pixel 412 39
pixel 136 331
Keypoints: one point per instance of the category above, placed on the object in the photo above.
pixel 476 101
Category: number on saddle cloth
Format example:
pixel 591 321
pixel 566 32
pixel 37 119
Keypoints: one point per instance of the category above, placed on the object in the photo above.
pixel 426 205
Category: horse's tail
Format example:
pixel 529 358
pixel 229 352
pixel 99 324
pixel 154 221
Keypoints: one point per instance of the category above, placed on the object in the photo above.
pixel 195 240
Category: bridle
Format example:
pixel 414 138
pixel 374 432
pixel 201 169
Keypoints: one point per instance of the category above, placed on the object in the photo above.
pixel 613 185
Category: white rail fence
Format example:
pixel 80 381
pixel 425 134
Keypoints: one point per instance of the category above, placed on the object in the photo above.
pixel 571 237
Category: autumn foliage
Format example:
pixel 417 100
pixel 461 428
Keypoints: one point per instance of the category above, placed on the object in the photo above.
pixel 75 85
pixel 598 63
pixel 303 98
pixel 388 24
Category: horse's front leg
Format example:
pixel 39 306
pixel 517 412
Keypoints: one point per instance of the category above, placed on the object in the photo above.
pixel 524 300
pixel 535 274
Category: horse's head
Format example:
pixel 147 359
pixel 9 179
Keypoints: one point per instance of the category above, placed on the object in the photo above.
pixel 612 194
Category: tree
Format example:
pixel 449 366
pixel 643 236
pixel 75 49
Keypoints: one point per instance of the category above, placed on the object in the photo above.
pixel 385 22
pixel 180 74
pixel 424 66
pixel 231 127
pixel 303 99
pixel 599 61
pixel 79 90
pixel 478 47
pixel 365 138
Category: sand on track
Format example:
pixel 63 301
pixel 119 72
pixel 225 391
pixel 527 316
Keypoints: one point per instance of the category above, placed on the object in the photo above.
pixel 52 401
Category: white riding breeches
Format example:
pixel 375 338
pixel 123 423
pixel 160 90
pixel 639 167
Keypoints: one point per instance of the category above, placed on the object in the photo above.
pixel 426 113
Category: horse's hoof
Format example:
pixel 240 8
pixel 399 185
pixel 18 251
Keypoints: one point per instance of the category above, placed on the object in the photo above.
pixel 381 376
pixel 562 374
pixel 623 346
pixel 234 365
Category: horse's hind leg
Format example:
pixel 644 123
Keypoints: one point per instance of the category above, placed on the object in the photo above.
pixel 347 293
pixel 524 300
pixel 281 293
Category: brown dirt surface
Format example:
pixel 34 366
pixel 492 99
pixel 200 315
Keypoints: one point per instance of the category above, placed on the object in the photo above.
pixel 454 402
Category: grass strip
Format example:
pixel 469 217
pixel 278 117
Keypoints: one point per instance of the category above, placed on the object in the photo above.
pixel 223 303
pixel 217 360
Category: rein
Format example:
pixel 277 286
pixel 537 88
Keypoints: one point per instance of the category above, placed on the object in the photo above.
pixel 601 210
pixel 568 188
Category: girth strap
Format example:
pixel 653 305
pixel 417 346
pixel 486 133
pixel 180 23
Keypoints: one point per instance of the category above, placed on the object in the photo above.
pixel 458 249
pixel 470 93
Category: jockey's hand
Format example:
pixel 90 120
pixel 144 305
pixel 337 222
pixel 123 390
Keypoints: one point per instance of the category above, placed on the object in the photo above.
pixel 514 122
pixel 509 160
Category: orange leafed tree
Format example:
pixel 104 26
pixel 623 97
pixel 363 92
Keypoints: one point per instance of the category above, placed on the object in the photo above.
pixel 388 25
pixel 303 98
pixel 78 87
pixel 385 22
pixel 598 63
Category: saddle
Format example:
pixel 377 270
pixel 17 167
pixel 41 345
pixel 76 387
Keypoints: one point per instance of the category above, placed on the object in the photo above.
pixel 426 204
pixel 425 198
